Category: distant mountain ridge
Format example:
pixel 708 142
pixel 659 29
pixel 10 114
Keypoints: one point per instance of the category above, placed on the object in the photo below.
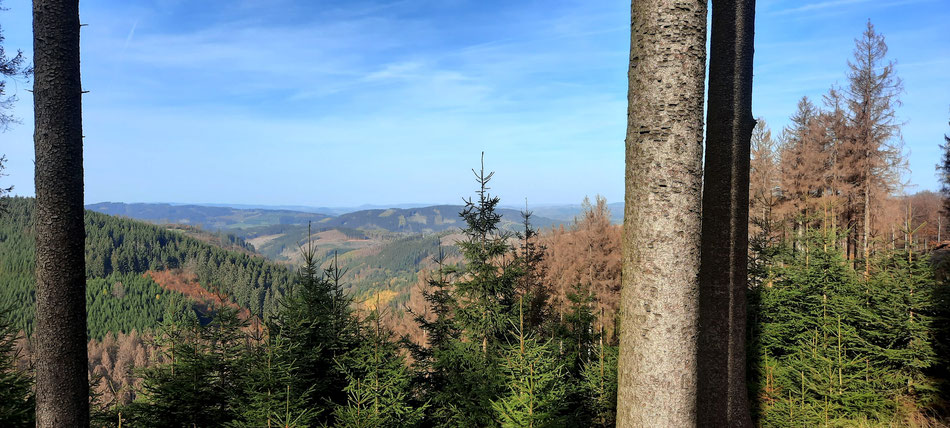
pixel 430 219
pixel 209 217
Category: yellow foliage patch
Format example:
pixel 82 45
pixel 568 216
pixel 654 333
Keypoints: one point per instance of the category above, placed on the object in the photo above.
pixel 381 298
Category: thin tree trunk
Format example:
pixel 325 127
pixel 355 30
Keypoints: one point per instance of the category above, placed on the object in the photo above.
pixel 659 298
pixel 867 227
pixel 62 389
pixel 723 274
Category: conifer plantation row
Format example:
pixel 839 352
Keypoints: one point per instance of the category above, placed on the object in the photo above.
pixel 119 252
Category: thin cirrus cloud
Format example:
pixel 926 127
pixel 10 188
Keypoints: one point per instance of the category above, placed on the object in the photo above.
pixel 362 101
pixel 361 107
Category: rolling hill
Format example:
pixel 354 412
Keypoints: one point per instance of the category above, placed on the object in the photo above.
pixel 122 257
pixel 431 219
pixel 208 217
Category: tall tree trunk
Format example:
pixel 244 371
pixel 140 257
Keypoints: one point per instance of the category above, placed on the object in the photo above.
pixel 867 223
pixel 62 390
pixel 659 298
pixel 723 274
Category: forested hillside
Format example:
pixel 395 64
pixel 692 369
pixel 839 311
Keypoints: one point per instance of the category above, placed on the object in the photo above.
pixel 255 222
pixel 745 281
pixel 118 254
pixel 208 217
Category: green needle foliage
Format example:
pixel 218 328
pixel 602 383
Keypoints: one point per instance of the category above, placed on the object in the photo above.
pixel 599 386
pixel 379 389
pixel 203 382
pixel 16 387
pixel 535 383
pixel 489 276
pixel 830 348
pixel 272 400
pixel 317 318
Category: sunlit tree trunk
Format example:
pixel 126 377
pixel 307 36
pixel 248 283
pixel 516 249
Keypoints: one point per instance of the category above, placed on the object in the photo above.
pixel 723 275
pixel 659 297
pixel 62 390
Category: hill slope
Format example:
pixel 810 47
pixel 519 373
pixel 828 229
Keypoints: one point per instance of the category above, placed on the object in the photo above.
pixel 122 251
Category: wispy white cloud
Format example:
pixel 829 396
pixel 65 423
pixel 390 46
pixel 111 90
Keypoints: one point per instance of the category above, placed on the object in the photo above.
pixel 128 39
pixel 810 7
pixel 843 5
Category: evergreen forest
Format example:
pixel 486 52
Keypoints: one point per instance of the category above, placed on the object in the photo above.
pixel 422 317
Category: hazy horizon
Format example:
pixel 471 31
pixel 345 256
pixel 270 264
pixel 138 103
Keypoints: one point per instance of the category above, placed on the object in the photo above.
pixel 369 102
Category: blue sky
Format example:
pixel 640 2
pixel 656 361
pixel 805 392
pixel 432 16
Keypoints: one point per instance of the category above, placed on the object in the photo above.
pixel 341 103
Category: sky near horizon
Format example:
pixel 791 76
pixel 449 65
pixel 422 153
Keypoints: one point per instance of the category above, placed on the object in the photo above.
pixel 343 103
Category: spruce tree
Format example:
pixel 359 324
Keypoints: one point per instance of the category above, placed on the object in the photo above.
pixel 489 276
pixel 461 369
pixel 62 384
pixel 202 384
pixel 943 173
pixel 438 328
pixel 535 383
pixel 599 385
pixel 17 401
pixel 272 395
pixel 379 390
pixel 531 287
pixel 316 317
pixel 899 330
pixel 830 348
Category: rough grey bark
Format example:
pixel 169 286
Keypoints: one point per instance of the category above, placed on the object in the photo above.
pixel 62 390
pixel 659 297
pixel 723 274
